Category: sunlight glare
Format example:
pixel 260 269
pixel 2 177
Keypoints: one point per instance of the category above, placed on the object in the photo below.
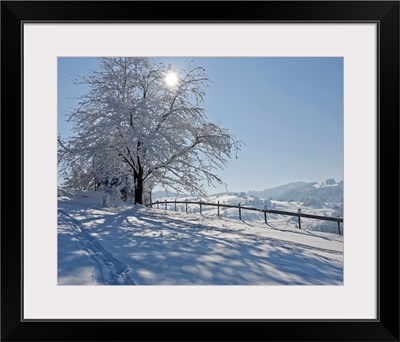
pixel 171 79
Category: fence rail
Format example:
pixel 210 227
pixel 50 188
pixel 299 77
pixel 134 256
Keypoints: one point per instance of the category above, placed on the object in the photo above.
pixel 240 208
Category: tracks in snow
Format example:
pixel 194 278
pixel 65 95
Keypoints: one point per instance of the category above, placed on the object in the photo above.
pixel 108 270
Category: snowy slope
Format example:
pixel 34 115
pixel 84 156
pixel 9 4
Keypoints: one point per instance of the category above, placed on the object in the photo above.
pixel 123 244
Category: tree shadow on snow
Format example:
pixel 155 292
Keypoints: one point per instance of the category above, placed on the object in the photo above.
pixel 173 251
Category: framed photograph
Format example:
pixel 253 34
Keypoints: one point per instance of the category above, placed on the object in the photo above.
pixel 200 162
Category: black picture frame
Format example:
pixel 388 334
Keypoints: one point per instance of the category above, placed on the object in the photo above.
pixel 15 13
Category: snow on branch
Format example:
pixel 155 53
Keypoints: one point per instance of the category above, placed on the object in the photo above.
pixel 132 122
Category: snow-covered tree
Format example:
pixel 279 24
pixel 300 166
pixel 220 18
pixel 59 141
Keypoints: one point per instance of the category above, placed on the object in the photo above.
pixel 145 119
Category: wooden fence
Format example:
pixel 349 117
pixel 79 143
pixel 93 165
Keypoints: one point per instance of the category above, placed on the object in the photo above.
pixel 299 214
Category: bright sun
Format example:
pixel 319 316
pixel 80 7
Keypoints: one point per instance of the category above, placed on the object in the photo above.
pixel 171 79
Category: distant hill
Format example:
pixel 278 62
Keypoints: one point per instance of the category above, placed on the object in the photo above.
pixel 311 194
pixel 277 191
pixel 163 193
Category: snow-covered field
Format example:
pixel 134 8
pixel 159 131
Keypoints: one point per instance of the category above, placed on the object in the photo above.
pixel 122 244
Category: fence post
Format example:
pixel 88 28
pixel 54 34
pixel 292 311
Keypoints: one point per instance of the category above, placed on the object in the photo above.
pixel 175 204
pixel 265 217
pixel 186 206
pixel 157 204
pixel 240 213
pixel 299 211
pixel 218 208
pixel 338 226
pixel 165 204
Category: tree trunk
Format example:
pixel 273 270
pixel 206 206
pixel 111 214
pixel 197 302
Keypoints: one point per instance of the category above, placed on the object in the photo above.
pixel 138 177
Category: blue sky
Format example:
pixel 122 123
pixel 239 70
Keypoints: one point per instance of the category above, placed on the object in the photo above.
pixel 287 111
